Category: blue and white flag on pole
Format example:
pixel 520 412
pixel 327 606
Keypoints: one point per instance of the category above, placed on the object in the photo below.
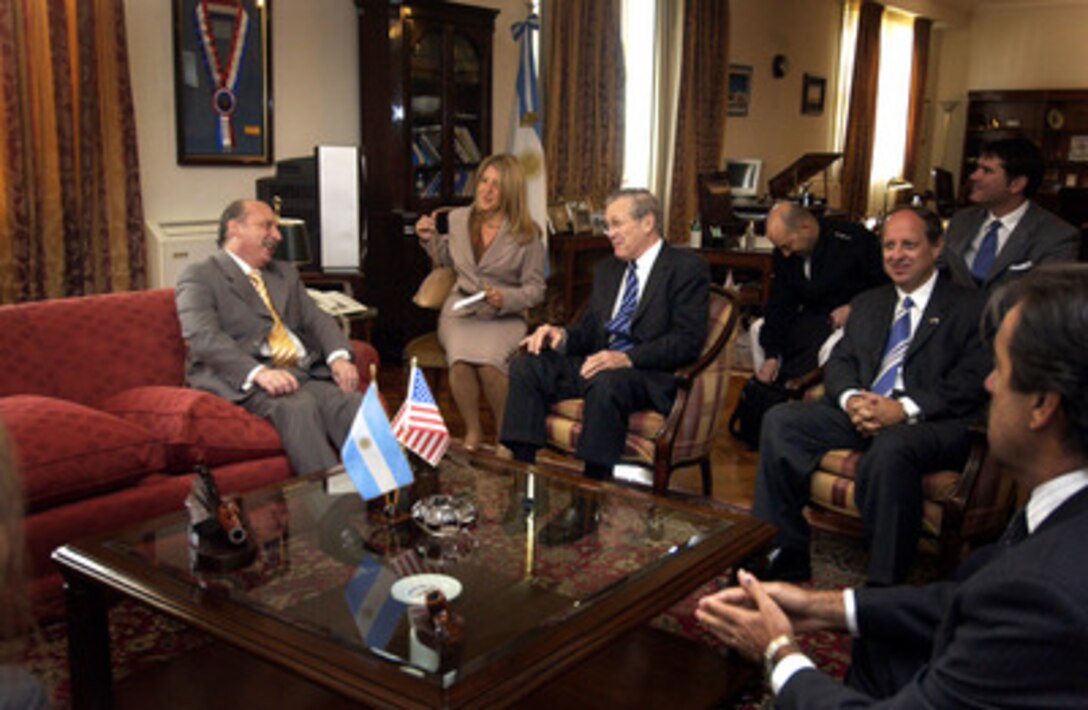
pixel 524 137
pixel 371 454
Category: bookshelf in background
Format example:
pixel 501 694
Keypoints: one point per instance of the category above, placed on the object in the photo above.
pixel 425 95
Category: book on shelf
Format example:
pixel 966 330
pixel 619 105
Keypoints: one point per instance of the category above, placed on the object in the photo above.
pixel 464 137
pixel 434 187
pixel 419 156
pixel 427 146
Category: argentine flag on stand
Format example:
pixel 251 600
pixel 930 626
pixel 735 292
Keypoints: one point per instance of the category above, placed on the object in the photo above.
pixel 371 454
pixel 524 137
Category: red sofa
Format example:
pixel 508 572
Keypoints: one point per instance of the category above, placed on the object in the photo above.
pixel 105 432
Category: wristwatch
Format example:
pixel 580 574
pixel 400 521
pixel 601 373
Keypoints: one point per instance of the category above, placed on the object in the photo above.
pixel 770 654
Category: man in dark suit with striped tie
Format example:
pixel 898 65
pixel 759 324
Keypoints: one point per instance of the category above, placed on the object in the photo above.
pixel 1005 234
pixel 646 317
pixel 1010 630
pixel 902 385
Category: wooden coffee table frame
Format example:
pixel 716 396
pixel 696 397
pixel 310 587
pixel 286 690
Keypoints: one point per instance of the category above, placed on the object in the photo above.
pixel 92 571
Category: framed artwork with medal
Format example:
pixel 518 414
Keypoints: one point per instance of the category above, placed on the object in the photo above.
pixel 223 82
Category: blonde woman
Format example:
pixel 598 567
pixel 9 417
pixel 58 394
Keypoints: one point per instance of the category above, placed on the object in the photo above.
pixel 496 250
pixel 18 689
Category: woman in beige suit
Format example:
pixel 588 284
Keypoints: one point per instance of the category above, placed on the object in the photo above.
pixel 496 250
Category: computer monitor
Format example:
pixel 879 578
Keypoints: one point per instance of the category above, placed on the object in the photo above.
pixel 744 176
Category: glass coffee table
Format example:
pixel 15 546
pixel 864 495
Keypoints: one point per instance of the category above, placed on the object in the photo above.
pixel 334 592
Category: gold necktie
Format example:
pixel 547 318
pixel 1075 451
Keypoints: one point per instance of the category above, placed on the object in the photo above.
pixel 279 341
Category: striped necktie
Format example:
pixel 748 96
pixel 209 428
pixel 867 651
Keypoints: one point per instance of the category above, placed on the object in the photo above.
pixel 284 353
pixel 896 348
pixel 620 326
pixel 987 252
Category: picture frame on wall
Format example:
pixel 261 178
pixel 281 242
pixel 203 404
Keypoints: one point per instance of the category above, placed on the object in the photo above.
pixel 740 89
pixel 813 89
pixel 222 82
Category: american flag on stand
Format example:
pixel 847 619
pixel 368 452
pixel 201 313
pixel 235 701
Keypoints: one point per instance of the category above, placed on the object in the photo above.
pixel 418 424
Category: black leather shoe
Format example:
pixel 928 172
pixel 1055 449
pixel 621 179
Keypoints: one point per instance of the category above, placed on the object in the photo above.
pixel 573 523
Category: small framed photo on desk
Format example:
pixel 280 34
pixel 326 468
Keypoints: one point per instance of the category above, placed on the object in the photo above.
pixel 581 217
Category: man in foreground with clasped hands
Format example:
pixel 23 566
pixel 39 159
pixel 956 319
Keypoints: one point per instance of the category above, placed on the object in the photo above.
pixel 1011 630
pixel 257 339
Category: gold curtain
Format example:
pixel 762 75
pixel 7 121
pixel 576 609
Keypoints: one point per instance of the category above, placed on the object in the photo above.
pixel 583 106
pixel 861 124
pixel 919 65
pixel 71 218
pixel 701 108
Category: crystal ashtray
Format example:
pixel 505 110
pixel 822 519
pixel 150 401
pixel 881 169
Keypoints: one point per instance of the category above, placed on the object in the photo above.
pixel 443 515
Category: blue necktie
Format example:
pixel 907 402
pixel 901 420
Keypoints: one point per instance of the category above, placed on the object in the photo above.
pixel 898 340
pixel 987 252
pixel 620 326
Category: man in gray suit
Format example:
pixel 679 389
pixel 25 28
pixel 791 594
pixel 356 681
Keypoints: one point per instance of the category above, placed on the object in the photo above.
pixel 275 353
pixel 1009 631
pixel 1004 234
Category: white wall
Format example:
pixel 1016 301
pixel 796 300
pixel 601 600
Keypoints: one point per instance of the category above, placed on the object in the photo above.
pixel 315 89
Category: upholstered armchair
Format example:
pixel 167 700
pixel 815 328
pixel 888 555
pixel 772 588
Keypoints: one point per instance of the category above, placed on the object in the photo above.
pixel 959 508
pixel 685 435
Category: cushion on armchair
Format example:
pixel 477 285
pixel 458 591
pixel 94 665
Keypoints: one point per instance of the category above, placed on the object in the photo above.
pixel 196 426
pixel 642 428
pixel 832 487
pixel 67 451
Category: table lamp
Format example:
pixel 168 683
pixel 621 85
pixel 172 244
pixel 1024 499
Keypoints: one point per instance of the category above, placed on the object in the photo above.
pixel 894 185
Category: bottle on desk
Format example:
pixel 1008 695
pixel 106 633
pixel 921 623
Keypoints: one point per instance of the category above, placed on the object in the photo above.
pixel 750 236
pixel 695 237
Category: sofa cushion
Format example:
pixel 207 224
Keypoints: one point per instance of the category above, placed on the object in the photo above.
pixel 95 346
pixel 67 451
pixel 196 426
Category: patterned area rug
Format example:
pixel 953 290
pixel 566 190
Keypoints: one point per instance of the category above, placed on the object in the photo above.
pixel 142 638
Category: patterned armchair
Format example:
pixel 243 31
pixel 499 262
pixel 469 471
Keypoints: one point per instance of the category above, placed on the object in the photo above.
pixel 684 436
pixel 958 507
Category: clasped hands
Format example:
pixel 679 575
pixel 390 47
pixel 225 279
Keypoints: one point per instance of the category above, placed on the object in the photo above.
pixel 277 382
pixel 550 336
pixel 747 617
pixel 870 412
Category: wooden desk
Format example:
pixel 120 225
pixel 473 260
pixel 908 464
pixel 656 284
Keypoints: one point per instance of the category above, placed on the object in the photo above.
pixel 759 261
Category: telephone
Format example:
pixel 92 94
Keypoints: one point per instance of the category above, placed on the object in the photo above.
pixel 336 303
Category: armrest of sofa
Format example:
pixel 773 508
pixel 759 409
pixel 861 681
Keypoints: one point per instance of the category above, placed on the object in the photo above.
pixel 364 355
